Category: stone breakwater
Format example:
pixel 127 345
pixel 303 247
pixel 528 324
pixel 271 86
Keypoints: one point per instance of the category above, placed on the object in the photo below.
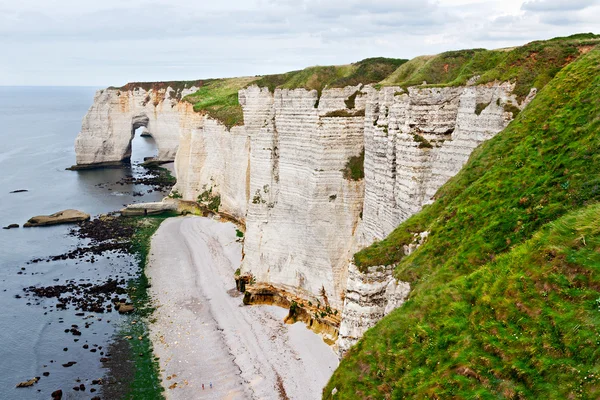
pixel 281 174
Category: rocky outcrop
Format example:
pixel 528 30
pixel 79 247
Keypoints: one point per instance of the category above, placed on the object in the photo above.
pixel 110 124
pixel 61 217
pixel 369 297
pixel 150 208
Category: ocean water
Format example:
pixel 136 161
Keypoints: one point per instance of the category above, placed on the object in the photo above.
pixel 38 126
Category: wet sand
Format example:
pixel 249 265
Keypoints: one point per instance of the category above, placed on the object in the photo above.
pixel 203 333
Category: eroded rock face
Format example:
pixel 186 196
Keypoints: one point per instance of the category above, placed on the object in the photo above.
pixel 110 123
pixel 213 160
pixel 369 297
pixel 302 212
pixel 416 141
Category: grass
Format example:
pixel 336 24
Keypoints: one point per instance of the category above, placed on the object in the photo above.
pixel 146 382
pixel 531 65
pixel 218 98
pixel 504 300
pixel 355 167
pixel 210 201
pixel 370 70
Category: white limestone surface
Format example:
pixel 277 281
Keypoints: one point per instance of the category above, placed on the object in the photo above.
pixel 110 123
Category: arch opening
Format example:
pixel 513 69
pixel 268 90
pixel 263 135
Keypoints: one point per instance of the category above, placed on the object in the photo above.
pixel 141 144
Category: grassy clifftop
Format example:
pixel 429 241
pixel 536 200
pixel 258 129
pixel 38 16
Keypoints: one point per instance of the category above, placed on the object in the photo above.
pixel 531 65
pixel 506 290
pixel 219 97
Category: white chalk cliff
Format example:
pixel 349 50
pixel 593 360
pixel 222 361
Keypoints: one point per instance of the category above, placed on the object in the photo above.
pixel 110 123
pixel 281 173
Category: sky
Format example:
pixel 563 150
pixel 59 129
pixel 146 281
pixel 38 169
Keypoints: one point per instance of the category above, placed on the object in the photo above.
pixel 111 42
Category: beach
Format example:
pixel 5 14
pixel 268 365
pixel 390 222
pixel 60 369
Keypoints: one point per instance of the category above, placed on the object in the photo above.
pixel 203 334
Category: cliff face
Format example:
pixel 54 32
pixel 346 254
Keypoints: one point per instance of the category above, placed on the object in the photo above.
pixel 416 141
pixel 302 213
pixel 369 297
pixel 282 172
pixel 110 123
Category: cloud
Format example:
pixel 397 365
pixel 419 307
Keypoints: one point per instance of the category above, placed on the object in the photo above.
pixel 557 5
pixel 111 42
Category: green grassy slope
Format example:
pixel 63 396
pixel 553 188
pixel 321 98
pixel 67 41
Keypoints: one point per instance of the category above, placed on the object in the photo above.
pixel 531 65
pixel 504 291
pixel 219 99
pixel 368 71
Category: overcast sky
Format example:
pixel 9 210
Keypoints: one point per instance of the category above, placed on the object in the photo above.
pixel 111 42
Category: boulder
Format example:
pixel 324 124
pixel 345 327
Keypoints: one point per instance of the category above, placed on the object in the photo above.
pixel 28 383
pixel 11 226
pixel 124 308
pixel 57 394
pixel 61 217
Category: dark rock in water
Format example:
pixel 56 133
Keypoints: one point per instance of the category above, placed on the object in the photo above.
pixel 69 364
pixel 61 217
pixel 11 226
pixel 46 373
pixel 57 395
pixel 20 191
pixel 28 383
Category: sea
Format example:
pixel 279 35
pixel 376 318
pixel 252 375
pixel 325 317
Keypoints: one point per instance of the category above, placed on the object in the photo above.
pixel 38 127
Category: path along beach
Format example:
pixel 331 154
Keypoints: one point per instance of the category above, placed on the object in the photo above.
pixel 203 333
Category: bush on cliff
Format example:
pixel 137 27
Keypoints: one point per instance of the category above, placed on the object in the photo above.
pixel 506 289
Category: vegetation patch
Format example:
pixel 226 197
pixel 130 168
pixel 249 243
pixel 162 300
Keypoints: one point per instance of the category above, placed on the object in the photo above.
pixel 209 200
pixel 218 98
pixel 346 113
pixel 423 143
pixel 317 78
pixel 355 167
pixel 505 291
pixel 511 108
pixel 479 107
pixel 531 65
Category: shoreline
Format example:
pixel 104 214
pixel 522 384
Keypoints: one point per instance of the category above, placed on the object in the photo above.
pixel 203 333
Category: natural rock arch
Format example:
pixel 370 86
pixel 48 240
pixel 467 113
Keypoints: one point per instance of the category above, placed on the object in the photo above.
pixel 138 121
pixel 109 127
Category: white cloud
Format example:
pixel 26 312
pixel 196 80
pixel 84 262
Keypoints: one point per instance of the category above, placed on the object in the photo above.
pixel 111 42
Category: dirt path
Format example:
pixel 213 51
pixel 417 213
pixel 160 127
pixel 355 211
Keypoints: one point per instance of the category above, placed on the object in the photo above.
pixel 203 333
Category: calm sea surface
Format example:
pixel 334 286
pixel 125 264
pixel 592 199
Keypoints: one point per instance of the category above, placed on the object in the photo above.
pixel 38 126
